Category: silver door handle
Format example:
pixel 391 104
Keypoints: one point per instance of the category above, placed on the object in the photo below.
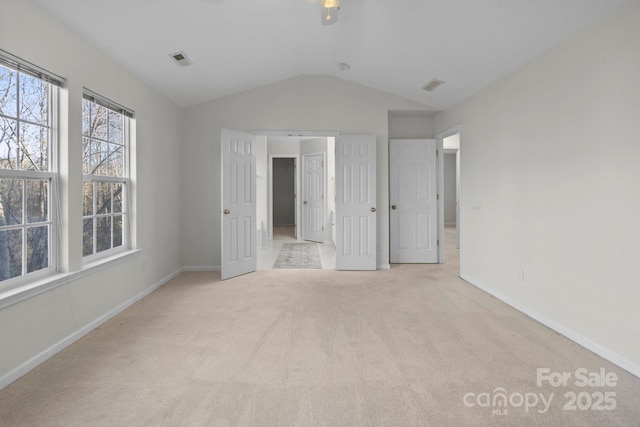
pixel 373 209
pixel 227 211
pixel 393 206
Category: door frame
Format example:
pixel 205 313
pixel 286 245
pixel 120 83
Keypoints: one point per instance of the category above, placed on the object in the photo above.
pixel 324 191
pixel 296 204
pixel 438 201
pixel 239 146
pixel 363 209
pixel 459 188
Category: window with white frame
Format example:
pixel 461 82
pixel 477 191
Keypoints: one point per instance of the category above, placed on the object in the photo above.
pixel 28 172
pixel 105 144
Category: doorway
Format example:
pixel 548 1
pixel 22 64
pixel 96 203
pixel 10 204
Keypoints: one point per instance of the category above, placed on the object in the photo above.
pixel 283 209
pixel 414 201
pixel 282 188
pixel 451 224
pixel 246 162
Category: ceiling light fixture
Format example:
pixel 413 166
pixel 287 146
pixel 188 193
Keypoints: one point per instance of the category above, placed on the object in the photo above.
pixel 329 9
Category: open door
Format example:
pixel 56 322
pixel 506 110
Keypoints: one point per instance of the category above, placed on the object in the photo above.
pixel 238 191
pixel 356 202
pixel 313 197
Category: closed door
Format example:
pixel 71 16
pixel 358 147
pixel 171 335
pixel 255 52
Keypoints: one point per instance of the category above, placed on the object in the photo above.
pixel 356 202
pixel 313 197
pixel 238 204
pixel 413 201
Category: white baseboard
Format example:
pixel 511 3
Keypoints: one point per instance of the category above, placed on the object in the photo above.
pixel 585 342
pixel 202 268
pixel 30 364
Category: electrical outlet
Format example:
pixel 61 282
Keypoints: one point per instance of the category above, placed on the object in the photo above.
pixel 520 274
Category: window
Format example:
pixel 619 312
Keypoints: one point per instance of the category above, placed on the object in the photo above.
pixel 27 168
pixel 105 132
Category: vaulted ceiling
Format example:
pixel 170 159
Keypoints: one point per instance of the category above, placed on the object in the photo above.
pixel 392 46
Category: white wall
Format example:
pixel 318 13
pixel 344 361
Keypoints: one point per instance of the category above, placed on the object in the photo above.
pixel 451 142
pixel 411 124
pixel 31 329
pixel 550 173
pixel 313 146
pixel 316 103
pixel 275 146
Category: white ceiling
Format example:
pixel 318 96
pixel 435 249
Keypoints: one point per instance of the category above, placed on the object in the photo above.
pixel 392 46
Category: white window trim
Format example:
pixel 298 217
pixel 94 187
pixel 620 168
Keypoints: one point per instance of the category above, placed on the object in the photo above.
pixel 126 241
pixel 45 283
pixel 52 174
pixel 126 180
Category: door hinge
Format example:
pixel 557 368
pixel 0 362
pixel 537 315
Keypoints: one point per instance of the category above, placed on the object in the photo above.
pixel 437 152
pixel 438 241
pixel 323 228
pixel 438 196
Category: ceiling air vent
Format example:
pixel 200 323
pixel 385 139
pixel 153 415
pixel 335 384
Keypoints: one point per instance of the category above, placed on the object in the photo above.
pixel 432 85
pixel 181 59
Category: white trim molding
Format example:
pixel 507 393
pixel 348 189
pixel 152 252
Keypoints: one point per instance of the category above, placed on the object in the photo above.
pixel 296 133
pixel 202 268
pixel 30 364
pixel 30 290
pixel 579 339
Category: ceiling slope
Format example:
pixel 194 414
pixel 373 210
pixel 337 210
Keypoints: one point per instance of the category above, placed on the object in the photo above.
pixel 395 47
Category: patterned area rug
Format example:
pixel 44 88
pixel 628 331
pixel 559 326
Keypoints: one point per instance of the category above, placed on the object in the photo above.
pixel 298 255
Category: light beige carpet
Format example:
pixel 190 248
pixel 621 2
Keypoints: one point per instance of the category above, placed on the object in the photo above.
pixel 413 346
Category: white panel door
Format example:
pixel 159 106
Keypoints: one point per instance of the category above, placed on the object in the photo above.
pixel 413 198
pixel 356 202
pixel 313 197
pixel 238 203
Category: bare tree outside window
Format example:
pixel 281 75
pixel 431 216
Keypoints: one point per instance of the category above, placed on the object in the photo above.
pixel 25 177
pixel 105 178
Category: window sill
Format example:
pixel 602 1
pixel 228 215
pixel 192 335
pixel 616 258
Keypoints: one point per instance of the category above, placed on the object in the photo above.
pixel 45 284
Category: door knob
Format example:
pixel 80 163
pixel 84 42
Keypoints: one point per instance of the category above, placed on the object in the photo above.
pixel 304 203
pixel 393 206
pixel 227 211
pixel 373 209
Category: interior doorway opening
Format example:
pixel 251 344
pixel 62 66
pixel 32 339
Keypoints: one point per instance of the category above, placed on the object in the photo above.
pixel 245 164
pixel 282 210
pixel 451 226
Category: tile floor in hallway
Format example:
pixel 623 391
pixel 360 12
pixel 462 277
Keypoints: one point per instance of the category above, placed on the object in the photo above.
pixel 271 248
